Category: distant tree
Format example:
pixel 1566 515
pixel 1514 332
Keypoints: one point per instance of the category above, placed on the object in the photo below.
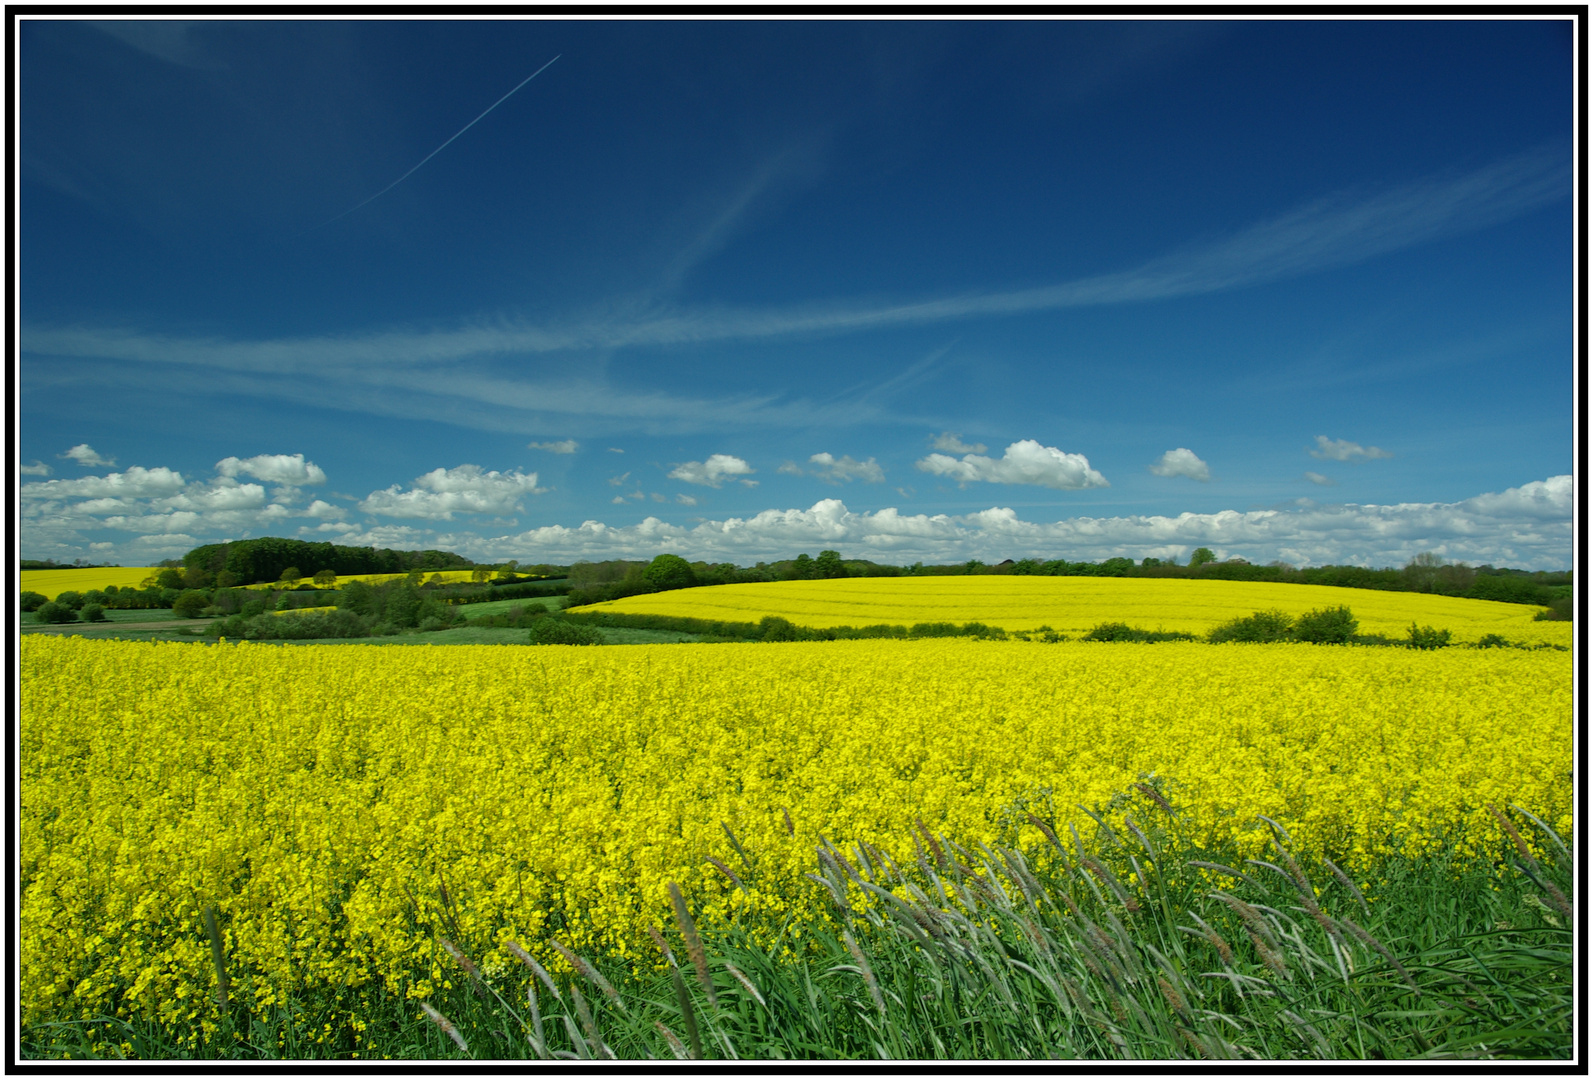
pixel 801 568
pixel 190 603
pixel 325 578
pixel 226 579
pixel 507 570
pixel 1329 626
pixel 32 601
pixel 481 573
pixel 1201 556
pixel 197 577
pixel 69 599
pixel 92 613
pixel 669 572
pixel 290 575
pixel 53 612
pixel 829 565
pixel 169 578
pixel 974 566
pixel 1149 561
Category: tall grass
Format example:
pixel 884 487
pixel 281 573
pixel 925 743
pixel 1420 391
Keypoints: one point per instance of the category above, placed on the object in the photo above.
pixel 1131 945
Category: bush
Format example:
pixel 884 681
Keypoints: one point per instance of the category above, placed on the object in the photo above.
pixel 669 572
pixel 70 600
pixel 1492 641
pixel 53 612
pixel 432 624
pixel 1115 631
pixel 1425 637
pixel 559 632
pixel 92 613
pixel 1262 626
pixel 190 603
pixel 1329 626
pixel 32 601
pixel 1557 611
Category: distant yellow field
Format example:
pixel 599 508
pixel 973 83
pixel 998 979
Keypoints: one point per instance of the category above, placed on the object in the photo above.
pixel 377 579
pixel 1075 604
pixel 53 583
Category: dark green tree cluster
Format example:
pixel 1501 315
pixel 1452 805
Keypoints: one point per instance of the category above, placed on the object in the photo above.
pixel 263 560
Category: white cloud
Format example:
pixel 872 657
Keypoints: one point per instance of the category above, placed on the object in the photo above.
pixel 615 450
pixel 844 469
pixel 1343 450
pixel 289 470
pixel 790 468
pixel 38 468
pixel 711 473
pixel 616 481
pixel 1318 478
pixel 1025 462
pixel 441 493
pixel 84 455
pixel 686 500
pixel 953 444
pixel 1181 462
pixel 322 509
pixel 563 446
pixel 1527 527
pixel 618 500
pixel 135 482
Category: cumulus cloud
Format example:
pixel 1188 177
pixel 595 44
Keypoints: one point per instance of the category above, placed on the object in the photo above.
pixel 1025 462
pixel 1343 450
pixel 713 472
pixel 563 446
pixel 135 482
pixel 1318 478
pixel 441 493
pixel 686 500
pixel 38 468
pixel 322 509
pixel 837 470
pixel 1181 462
pixel 1527 527
pixel 84 455
pixel 288 470
pixel 953 444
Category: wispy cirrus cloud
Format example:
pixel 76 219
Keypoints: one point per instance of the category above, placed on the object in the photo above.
pixel 1335 231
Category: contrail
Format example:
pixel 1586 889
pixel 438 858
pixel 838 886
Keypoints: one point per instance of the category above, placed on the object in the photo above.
pixel 439 150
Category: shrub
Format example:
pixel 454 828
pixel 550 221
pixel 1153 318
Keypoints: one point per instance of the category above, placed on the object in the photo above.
pixel 1558 611
pixel 1425 637
pixel 559 632
pixel 92 613
pixel 1492 641
pixel 669 572
pixel 53 612
pixel 432 624
pixel 1115 631
pixel 70 600
pixel 32 601
pixel 190 603
pixel 1329 626
pixel 1262 626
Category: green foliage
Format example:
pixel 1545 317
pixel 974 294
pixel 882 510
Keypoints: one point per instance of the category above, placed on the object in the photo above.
pixel 1120 631
pixel 1425 637
pixel 190 603
pixel 1201 556
pixel 1327 626
pixel 265 558
pixel 169 578
pixel 325 578
pixel 1558 611
pixel 801 569
pixel 69 599
pixel 669 572
pixel 32 601
pixel 91 613
pixel 1262 626
pixel 829 565
pixel 52 612
pixel 559 632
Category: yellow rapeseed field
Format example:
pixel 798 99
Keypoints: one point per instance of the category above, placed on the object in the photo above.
pixel 53 583
pixel 1076 604
pixel 319 796
pixel 376 579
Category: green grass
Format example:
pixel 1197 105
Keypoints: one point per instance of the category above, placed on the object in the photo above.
pixel 1135 945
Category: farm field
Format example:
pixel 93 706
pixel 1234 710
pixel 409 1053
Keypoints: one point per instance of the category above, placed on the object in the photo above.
pixel 308 795
pixel 52 583
pixel 1074 605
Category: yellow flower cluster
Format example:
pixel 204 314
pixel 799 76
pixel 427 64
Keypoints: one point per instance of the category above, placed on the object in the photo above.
pixel 1076 604
pixel 376 579
pixel 324 798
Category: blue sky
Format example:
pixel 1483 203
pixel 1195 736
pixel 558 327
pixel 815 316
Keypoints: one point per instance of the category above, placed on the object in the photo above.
pixel 935 290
